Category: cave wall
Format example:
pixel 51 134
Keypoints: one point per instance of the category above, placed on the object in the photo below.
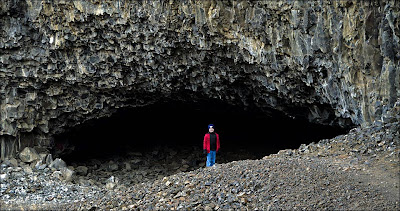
pixel 64 62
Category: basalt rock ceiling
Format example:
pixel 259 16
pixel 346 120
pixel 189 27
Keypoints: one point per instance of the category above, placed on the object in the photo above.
pixel 65 62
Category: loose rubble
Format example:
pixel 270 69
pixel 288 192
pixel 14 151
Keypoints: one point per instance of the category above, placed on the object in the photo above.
pixel 359 170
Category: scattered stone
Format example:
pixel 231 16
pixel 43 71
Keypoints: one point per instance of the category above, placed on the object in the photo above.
pixel 28 155
pixel 112 166
pixel 127 166
pixel 43 157
pixel 81 170
pixel 57 174
pixel 27 169
pixel 40 166
pixel 66 173
pixel 58 164
pixel 3 177
pixel 49 159
pixel 110 185
pixel 111 182
pixel 95 162
pixel 136 161
pixel 11 162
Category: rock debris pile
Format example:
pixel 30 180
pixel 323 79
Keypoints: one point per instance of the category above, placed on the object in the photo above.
pixel 359 170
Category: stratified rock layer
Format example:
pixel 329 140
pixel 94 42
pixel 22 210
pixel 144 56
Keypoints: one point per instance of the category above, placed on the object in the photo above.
pixel 64 62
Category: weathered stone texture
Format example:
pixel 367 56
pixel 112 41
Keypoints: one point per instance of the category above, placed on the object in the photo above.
pixel 63 62
pixel 28 155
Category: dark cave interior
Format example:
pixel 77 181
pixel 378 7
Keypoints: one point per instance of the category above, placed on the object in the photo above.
pixel 177 124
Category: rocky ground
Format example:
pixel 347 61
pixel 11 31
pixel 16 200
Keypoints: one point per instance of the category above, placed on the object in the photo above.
pixel 359 170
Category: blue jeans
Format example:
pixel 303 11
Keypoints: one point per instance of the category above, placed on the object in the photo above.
pixel 211 158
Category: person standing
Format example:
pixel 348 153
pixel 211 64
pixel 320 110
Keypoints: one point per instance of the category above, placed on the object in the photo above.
pixel 211 145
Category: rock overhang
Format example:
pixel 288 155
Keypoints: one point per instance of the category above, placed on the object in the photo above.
pixel 67 62
pixel 178 125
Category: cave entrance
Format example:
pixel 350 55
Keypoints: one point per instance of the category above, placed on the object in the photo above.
pixel 172 133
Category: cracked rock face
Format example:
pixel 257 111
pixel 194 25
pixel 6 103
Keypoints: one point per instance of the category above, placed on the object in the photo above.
pixel 64 62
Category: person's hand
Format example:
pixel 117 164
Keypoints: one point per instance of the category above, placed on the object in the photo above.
pixel 205 152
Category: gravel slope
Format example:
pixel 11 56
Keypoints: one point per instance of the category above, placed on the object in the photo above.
pixel 357 171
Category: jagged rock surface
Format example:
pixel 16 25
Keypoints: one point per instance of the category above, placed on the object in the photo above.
pixel 64 62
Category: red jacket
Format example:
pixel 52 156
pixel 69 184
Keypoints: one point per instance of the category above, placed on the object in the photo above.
pixel 206 142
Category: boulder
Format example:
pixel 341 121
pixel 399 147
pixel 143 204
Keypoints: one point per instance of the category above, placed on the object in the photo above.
pixel 127 166
pixel 111 182
pixel 29 155
pixel 43 157
pixel 27 169
pixel 11 162
pixel 40 165
pixel 112 166
pixel 81 170
pixel 58 164
pixel 66 173
pixel 49 159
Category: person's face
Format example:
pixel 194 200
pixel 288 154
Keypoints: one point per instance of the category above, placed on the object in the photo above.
pixel 211 129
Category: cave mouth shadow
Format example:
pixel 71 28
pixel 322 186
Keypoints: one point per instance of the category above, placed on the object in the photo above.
pixel 244 134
